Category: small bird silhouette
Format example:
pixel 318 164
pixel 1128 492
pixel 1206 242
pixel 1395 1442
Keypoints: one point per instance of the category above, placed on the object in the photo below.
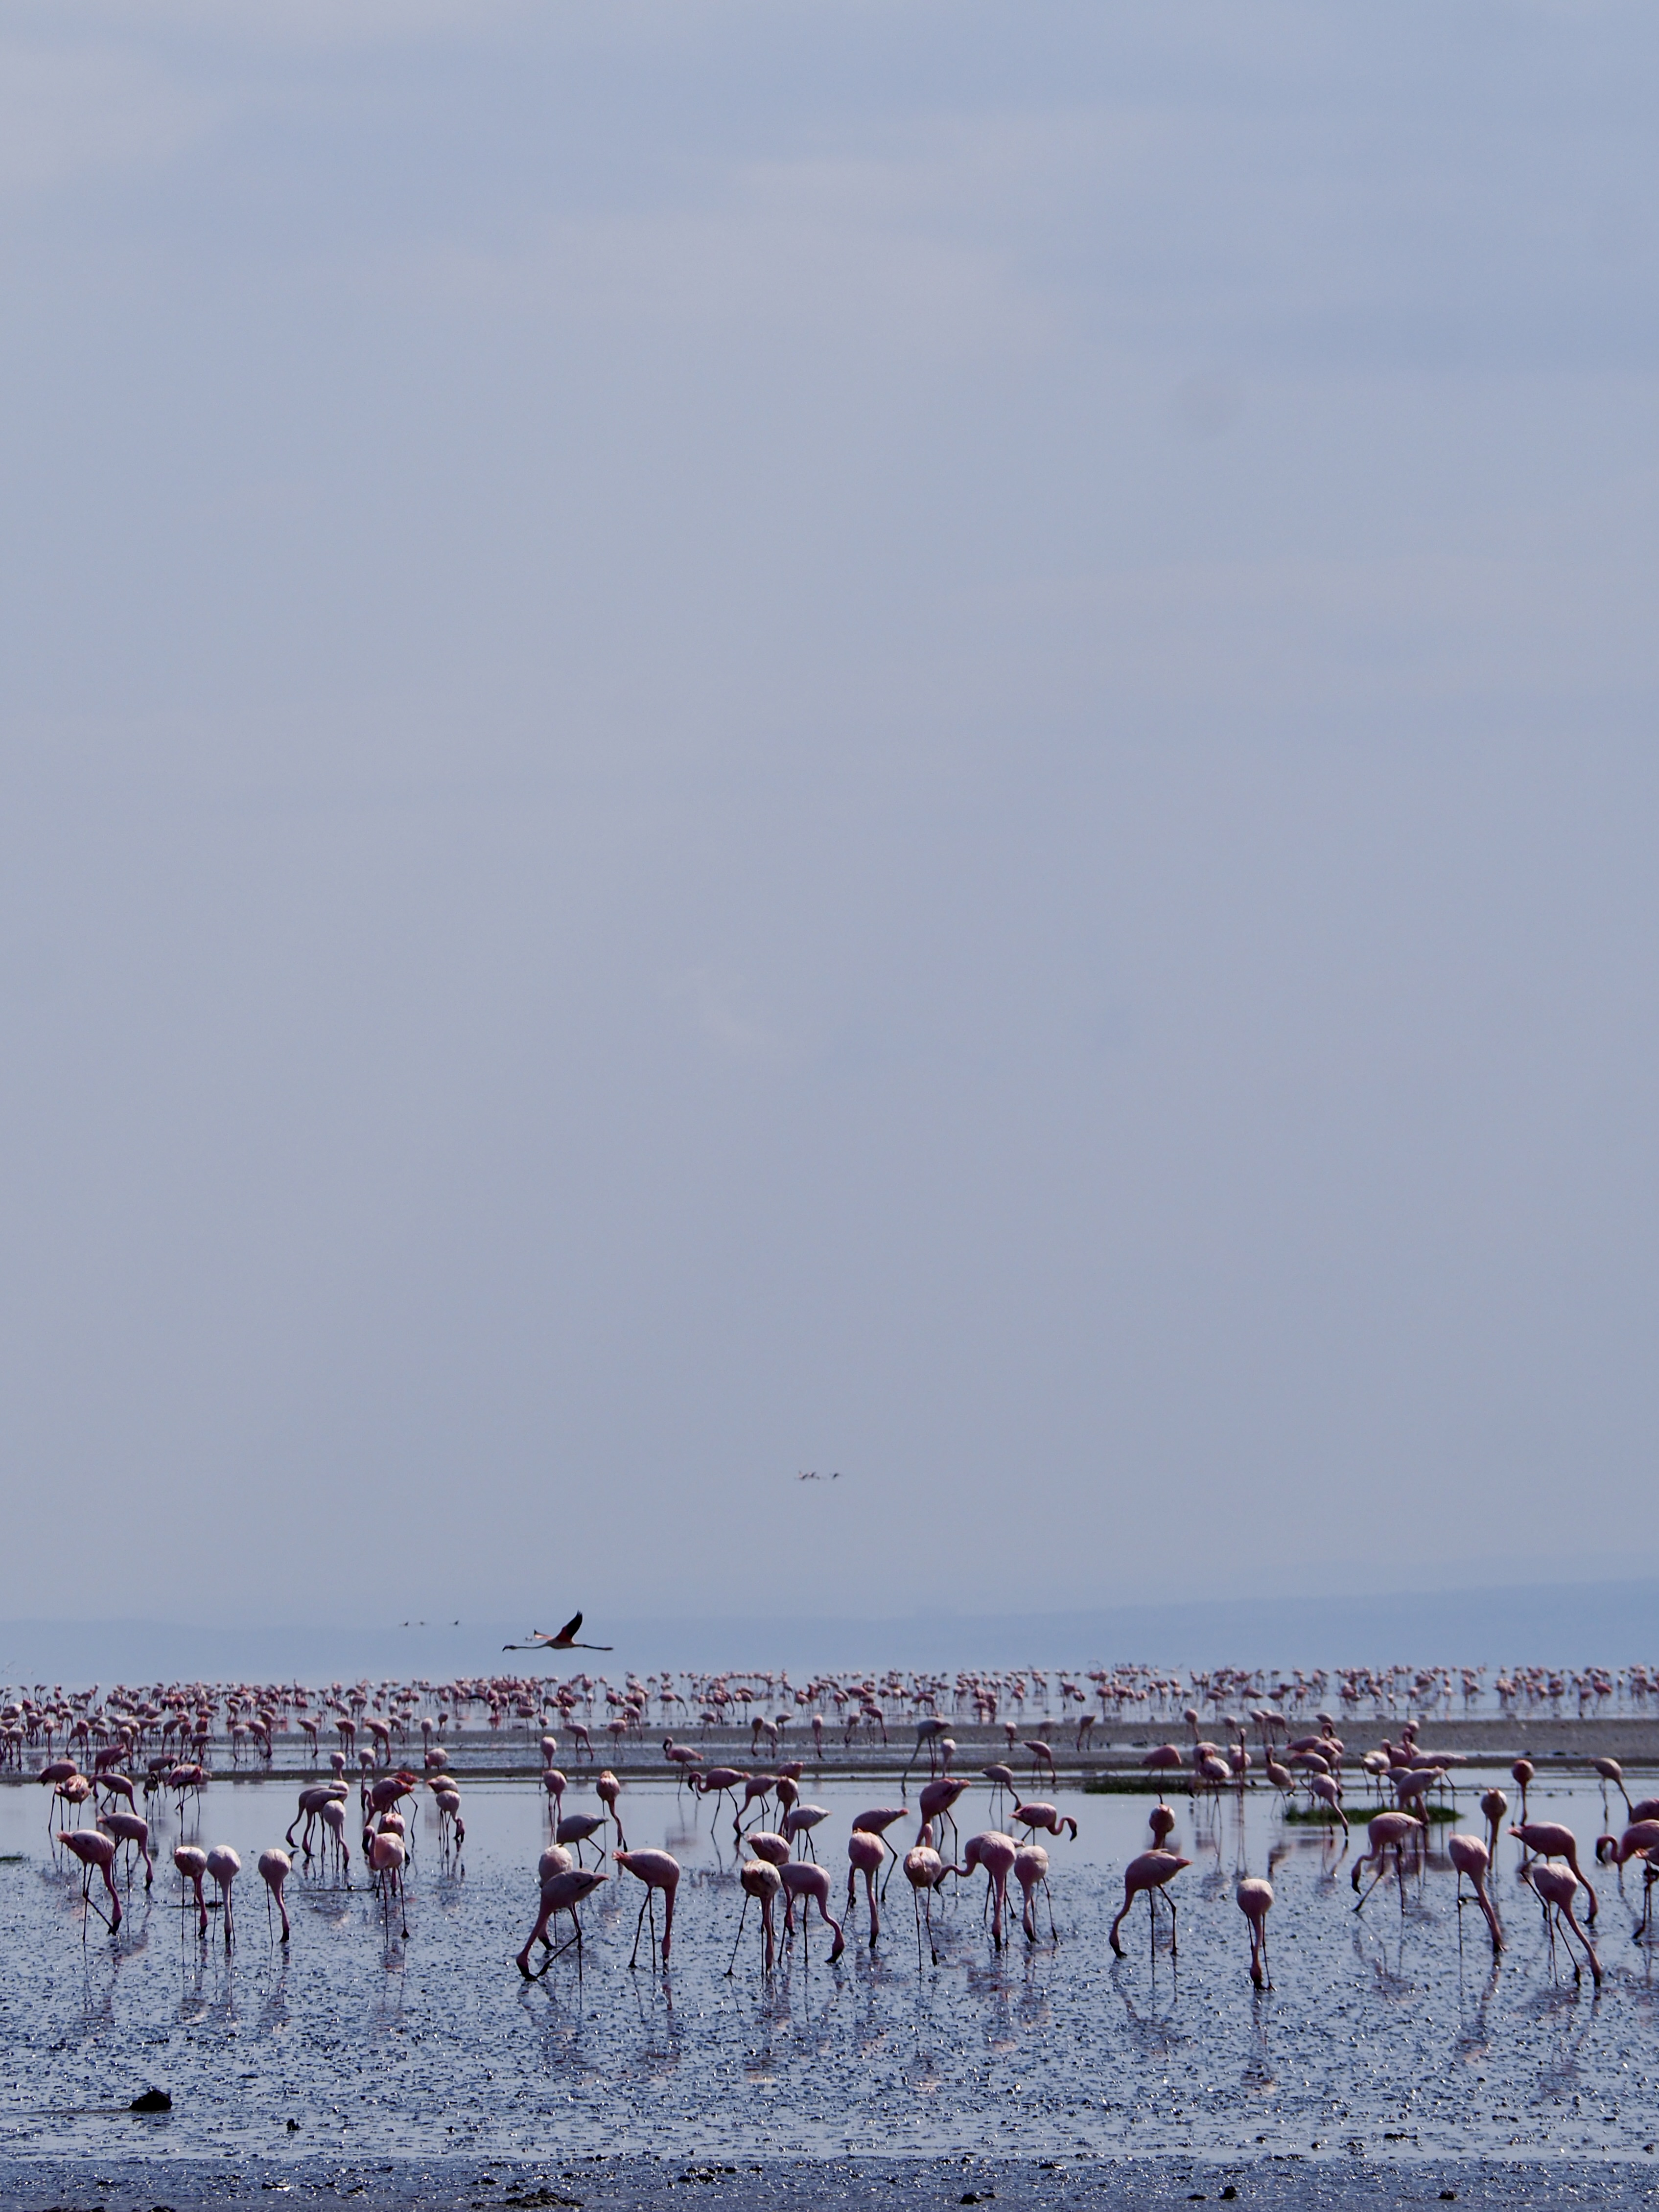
pixel 815 1477
pixel 564 1641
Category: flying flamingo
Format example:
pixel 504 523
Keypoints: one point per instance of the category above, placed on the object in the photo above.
pixel 1470 1855
pixel 658 1871
pixel 564 1640
pixel 562 1894
pixel 275 1867
pixel 1149 1872
pixel 223 1866
pixel 866 1853
pixel 761 1880
pixel 1255 1901
pixel 94 1850
pixel 807 1880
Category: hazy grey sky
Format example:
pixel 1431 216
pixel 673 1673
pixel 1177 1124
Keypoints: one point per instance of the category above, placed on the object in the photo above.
pixel 915 739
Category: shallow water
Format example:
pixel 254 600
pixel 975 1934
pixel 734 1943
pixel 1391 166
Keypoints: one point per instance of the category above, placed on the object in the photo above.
pixel 1381 2037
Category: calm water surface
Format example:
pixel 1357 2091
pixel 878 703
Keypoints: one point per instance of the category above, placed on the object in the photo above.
pixel 1381 2034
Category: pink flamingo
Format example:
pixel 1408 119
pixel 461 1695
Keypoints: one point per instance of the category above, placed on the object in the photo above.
pixel 866 1854
pixel 607 1788
pixel 1493 1806
pixel 275 1867
pixel 996 1853
pixel 1469 1855
pixel 562 1894
pixel 800 1821
pixel 1042 1755
pixel 1552 1841
pixel 761 1880
pixel 1388 1832
pixel 1522 1773
pixel 94 1851
pixel 806 1880
pixel 578 1828
pixel 1164 1759
pixel 223 1866
pixel 555 1786
pixel 766 1844
pixel 554 1860
pixel 1640 1840
pixel 1162 1822
pixel 875 1820
pixel 1324 1787
pixel 133 1829
pixel 924 1870
pixel 387 1854
pixel 1149 1872
pixel 936 1799
pixel 658 1871
pixel 1031 1872
pixel 1255 1902
pixel 1047 1819
pixel 1556 1888
pixel 192 1862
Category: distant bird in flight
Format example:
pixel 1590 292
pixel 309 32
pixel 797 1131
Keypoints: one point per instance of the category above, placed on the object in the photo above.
pixel 836 1477
pixel 564 1641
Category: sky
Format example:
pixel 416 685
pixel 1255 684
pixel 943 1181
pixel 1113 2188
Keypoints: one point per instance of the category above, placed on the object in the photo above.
pixel 907 741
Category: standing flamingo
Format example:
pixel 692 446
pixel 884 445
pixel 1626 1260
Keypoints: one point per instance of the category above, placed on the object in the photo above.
pixel 275 1867
pixel 1556 1888
pixel 996 1853
pixel 223 1866
pixel 1149 1872
pixel 94 1850
pixel 562 1894
pixel 807 1880
pixel 924 1870
pixel 658 1871
pixel 1469 1855
pixel 1031 1872
pixel 866 1854
pixel 192 1862
pixel 1552 1841
pixel 761 1880
pixel 1047 1818
pixel 1255 1902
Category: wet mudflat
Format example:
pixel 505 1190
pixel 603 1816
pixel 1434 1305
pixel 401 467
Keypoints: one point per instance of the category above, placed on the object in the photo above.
pixel 363 2064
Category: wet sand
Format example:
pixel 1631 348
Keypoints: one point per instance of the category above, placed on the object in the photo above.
pixel 882 2185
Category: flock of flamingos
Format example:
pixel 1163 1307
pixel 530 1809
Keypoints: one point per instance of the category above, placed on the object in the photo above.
pixel 777 1829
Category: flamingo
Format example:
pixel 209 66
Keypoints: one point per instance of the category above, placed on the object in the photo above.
pixel 94 1850
pixel 1556 1888
pixel 275 1867
pixel 1149 1872
pixel 1470 1855
pixel 192 1862
pixel 1388 1832
pixel 133 1829
pixel 607 1789
pixel 1552 1841
pixel 562 1894
pixel 996 1853
pixel 924 1870
pixel 564 1639
pixel 1031 1871
pixel 223 1866
pixel 1048 1819
pixel 761 1880
pixel 1255 1898
pixel 658 1871
pixel 865 1855
pixel 806 1880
